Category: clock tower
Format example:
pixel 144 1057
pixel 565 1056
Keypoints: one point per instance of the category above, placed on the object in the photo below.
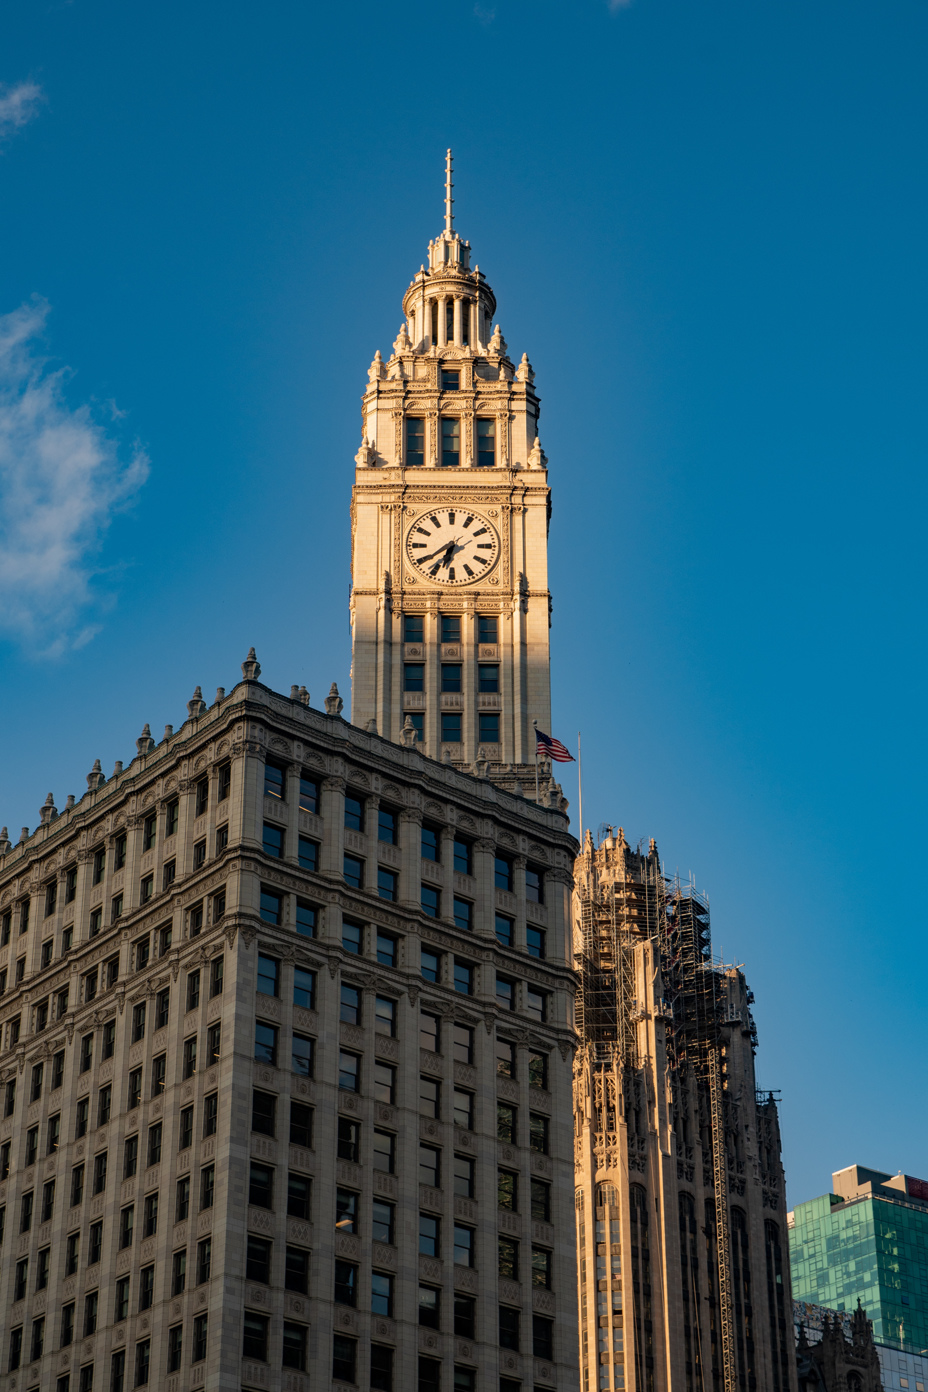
pixel 449 524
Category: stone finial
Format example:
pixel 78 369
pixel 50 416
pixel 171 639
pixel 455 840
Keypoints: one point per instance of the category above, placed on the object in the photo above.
pixel 482 764
pixel 372 727
pixel 537 459
pixel 402 343
pixel 117 769
pixel 366 457
pixel 497 343
pixel 304 696
pixel 409 734
pixel 294 693
pixel 376 371
pixel 525 372
pixel 251 667
pixel 334 705
pixel 70 802
pixel 145 744
pixel 49 811
pixel 518 790
pixel 168 731
pixel 446 755
pixel 196 705
pixel 220 694
pixel 95 778
pixel 652 847
pixel 5 842
pixel 23 836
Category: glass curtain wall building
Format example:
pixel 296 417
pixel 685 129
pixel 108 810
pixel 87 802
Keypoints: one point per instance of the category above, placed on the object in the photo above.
pixel 867 1240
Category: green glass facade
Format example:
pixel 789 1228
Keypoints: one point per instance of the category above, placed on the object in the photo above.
pixel 869 1248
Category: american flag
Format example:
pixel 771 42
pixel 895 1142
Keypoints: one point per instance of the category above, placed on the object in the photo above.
pixel 550 748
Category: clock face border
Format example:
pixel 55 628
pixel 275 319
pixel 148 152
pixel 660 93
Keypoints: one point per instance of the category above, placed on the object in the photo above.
pixel 449 514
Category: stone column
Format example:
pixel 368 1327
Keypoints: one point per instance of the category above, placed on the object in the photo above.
pixel 518 886
pixel 331 861
pixel 484 852
pixel 458 307
pixel 447 876
pixel 411 855
pixel 442 321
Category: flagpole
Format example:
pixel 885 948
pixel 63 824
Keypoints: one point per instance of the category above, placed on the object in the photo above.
pixel 535 724
pixel 580 785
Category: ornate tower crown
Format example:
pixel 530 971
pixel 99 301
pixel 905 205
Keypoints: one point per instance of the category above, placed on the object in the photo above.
pixel 450 510
pixel 429 303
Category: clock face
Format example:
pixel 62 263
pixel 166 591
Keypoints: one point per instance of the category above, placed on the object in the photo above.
pixel 452 546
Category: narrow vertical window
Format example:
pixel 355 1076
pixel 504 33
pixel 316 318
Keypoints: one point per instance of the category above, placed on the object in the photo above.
pixel 486 443
pixel 450 442
pixel 415 442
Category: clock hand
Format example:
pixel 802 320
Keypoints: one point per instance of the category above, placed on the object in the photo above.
pixel 423 559
pixel 453 546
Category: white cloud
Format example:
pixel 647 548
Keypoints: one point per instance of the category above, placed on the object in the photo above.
pixel 616 5
pixel 61 482
pixel 18 105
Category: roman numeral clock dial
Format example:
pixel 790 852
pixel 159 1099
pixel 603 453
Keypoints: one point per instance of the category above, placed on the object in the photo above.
pixel 452 546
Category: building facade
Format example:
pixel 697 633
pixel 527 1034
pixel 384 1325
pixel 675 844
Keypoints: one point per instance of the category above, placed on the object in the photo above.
pixel 286 1023
pixel 681 1213
pixel 847 1350
pixel 450 509
pixel 835 1353
pixel 867 1241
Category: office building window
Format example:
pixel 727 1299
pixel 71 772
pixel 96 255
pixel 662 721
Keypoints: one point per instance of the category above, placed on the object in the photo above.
pixel 450 727
pixel 463 978
pixel 271 906
pixel 431 900
pixel 430 965
pixel 450 442
pixel 305 919
pixel 488 727
pixel 387 884
pixel 486 445
pixel 413 628
pixel 415 450
pixel 308 853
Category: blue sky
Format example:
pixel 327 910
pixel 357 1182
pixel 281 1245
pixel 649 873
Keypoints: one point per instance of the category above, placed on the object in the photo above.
pixel 705 223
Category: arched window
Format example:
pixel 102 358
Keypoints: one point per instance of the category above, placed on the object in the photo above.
pixel 776 1305
pixel 641 1288
pixel 741 1286
pixel 689 1284
pixel 854 1383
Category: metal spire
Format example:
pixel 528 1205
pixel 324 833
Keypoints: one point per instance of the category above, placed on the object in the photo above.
pixel 449 201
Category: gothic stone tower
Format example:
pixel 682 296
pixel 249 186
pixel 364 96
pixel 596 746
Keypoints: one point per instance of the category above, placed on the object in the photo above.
pixel 681 1212
pixel 450 508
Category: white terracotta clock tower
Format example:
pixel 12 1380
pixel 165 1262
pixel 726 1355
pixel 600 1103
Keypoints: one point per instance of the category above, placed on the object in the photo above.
pixel 449 523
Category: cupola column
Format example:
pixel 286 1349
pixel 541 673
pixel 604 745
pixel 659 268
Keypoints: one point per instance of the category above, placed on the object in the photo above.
pixel 442 321
pixel 458 305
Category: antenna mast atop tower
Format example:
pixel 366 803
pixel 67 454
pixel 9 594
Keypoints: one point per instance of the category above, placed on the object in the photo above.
pixel 449 201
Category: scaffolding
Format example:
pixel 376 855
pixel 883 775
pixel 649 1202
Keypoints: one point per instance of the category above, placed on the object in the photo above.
pixel 626 899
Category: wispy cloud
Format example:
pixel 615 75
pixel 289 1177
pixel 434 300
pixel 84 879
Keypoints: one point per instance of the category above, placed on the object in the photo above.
pixel 18 105
pixel 616 5
pixel 62 480
pixel 485 13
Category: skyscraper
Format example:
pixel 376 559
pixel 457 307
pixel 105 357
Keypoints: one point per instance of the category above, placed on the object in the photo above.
pixel 681 1205
pixel 867 1241
pixel 286 1020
